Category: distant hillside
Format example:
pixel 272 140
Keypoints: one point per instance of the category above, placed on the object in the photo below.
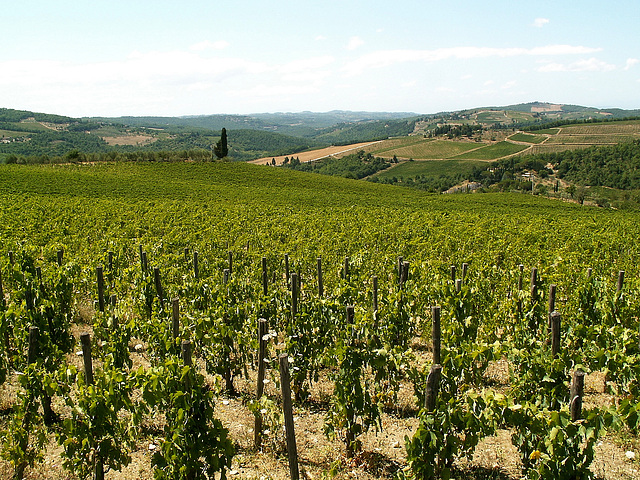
pixel 39 137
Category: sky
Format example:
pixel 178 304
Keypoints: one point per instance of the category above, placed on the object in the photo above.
pixel 193 57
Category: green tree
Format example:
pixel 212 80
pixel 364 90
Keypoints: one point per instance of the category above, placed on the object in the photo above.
pixel 221 149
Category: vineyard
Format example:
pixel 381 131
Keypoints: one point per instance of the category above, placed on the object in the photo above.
pixel 413 330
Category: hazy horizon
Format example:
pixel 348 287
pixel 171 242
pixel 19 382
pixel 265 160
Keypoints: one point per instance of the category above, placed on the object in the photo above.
pixel 197 58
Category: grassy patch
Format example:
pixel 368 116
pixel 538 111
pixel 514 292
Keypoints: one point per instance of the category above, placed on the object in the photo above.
pixel 432 168
pixel 525 137
pixel 493 152
pixel 432 149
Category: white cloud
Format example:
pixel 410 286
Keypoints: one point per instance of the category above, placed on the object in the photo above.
pixel 354 42
pixel 207 45
pixel 590 65
pixel 540 22
pixel 631 62
pixel 509 85
pixel 409 84
pixel 386 58
pixel 320 38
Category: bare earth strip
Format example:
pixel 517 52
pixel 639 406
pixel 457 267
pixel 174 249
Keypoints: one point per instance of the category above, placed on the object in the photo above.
pixel 129 140
pixel 314 155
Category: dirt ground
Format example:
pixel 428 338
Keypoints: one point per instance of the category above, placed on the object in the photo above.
pixel 315 154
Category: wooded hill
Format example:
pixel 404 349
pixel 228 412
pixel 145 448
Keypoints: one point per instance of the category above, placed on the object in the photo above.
pixel 40 136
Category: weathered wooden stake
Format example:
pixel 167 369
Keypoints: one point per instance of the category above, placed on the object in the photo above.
pixel 552 298
pixel 433 387
pixel 399 266
pixel 521 269
pixel 100 276
pixel 576 394
pixel 435 334
pixel 320 280
pixel 186 254
pixel 60 255
pixel 196 267
pixel 346 267
pixel 175 318
pixel 465 270
pixel 265 277
pixel 12 258
pixel 32 354
pixel 458 285
pixel 589 272
pixel 110 261
pixel 534 284
pixel 405 273
pixel 375 293
pixel 453 272
pixel 350 314
pixel 230 263
pixel 145 263
pixel 2 300
pixel 85 340
pixel 263 330
pixel 142 261
pixel 294 294
pixel 286 270
pixel 225 276
pixel 555 333
pixel 620 281
pixel 186 352
pixel 292 449
pixel 158 283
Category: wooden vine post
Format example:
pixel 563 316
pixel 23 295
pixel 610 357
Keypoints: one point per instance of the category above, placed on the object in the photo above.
pixel 320 280
pixel 60 256
pixel 405 273
pixel 465 270
pixel 286 270
pixel 453 273
pixel 158 284
pixel 287 406
pixel 100 275
pixel 433 387
pixel 555 333
pixel 552 298
pixel 435 334
pixel 196 268
pixel 175 319
pixel 375 293
pixel 576 393
pixel 294 295
pixel 2 300
pixel 263 331
pixel 346 267
pixel 85 339
pixel 620 281
pixel 265 277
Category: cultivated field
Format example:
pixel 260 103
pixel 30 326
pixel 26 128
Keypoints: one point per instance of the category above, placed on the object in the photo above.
pixel 266 239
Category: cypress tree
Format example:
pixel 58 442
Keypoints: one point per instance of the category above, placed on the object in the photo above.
pixel 221 149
